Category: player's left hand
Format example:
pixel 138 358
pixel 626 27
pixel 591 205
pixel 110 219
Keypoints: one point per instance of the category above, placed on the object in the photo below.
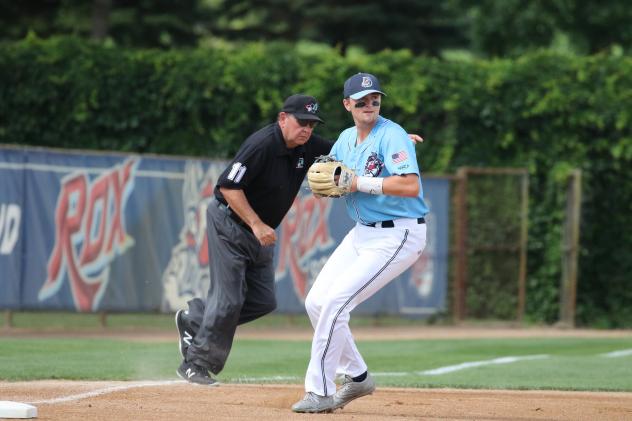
pixel 329 177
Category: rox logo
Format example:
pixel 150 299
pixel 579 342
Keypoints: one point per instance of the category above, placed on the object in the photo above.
pixel 304 232
pixel 89 233
pixel 10 216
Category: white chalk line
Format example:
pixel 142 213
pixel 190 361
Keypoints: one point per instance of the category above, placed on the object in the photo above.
pixel 105 391
pixel 433 372
pixel 617 354
pixel 391 374
pixel 266 379
pixel 471 364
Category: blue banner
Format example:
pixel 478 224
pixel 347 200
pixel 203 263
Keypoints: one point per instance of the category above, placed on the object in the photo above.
pixel 108 232
pixel 11 227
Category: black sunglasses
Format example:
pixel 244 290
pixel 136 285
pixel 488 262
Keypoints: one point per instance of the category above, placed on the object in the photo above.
pixel 304 123
pixel 362 104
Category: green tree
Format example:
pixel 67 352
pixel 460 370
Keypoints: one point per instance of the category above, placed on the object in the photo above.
pixel 511 27
pixel 423 26
pixel 500 28
pixel 157 23
pixel 265 20
pixel 147 23
pixel 594 25
pixel 45 18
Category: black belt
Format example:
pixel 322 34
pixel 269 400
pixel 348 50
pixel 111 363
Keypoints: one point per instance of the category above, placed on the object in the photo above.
pixel 233 215
pixel 391 224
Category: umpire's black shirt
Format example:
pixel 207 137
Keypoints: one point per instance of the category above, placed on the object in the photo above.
pixel 270 173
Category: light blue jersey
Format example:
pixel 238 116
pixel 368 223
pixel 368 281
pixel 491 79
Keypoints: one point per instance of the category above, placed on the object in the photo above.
pixel 386 151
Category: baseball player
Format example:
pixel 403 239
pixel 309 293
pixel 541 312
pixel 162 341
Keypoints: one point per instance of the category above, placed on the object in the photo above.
pixel 385 198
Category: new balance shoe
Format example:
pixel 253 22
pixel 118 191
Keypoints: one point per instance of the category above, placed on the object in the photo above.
pixel 186 336
pixel 313 403
pixel 351 390
pixel 193 373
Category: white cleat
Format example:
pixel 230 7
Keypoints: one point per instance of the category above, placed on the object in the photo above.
pixel 313 403
pixel 351 390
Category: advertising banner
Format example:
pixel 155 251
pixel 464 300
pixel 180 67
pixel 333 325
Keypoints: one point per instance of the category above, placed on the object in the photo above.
pixel 110 232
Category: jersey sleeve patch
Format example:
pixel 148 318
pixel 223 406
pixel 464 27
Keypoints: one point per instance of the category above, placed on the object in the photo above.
pixel 399 157
pixel 400 161
pixel 236 172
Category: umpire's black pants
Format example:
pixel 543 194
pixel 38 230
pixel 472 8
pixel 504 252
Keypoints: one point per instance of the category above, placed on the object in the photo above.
pixel 241 289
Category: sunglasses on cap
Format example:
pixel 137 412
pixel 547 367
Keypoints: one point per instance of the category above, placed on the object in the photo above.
pixel 306 123
pixel 362 104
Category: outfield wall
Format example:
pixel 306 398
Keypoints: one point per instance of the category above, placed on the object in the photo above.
pixel 81 231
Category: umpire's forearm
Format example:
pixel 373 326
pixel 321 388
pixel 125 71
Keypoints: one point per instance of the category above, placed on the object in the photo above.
pixel 239 204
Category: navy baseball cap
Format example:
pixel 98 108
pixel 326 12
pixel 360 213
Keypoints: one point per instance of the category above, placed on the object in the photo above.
pixel 360 85
pixel 303 107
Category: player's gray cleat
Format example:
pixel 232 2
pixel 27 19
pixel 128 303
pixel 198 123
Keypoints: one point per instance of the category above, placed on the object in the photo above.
pixel 351 390
pixel 314 403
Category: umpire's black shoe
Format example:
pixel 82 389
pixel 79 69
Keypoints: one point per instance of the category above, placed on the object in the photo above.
pixel 186 336
pixel 193 373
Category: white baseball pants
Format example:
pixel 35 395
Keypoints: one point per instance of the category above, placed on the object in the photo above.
pixel 366 260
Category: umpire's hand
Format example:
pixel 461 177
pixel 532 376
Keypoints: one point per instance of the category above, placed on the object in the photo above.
pixel 264 233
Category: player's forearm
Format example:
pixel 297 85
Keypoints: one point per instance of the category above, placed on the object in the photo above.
pixel 406 185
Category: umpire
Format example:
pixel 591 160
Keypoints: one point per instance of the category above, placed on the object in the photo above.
pixel 252 196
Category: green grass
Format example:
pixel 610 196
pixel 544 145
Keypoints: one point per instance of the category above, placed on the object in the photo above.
pixel 49 320
pixel 574 364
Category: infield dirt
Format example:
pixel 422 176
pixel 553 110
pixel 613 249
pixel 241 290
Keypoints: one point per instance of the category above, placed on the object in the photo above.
pixel 79 400
pixel 272 402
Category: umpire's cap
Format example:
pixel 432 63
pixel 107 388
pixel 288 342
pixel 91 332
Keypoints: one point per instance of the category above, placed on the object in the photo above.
pixel 301 106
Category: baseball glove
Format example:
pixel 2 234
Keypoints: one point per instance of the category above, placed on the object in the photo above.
pixel 328 177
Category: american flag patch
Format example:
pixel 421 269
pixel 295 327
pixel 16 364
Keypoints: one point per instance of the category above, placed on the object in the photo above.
pixel 399 157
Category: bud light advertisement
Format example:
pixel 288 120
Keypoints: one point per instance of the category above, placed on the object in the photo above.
pixel 87 232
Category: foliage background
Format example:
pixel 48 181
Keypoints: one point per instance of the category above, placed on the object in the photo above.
pixel 546 111
pixel 484 28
